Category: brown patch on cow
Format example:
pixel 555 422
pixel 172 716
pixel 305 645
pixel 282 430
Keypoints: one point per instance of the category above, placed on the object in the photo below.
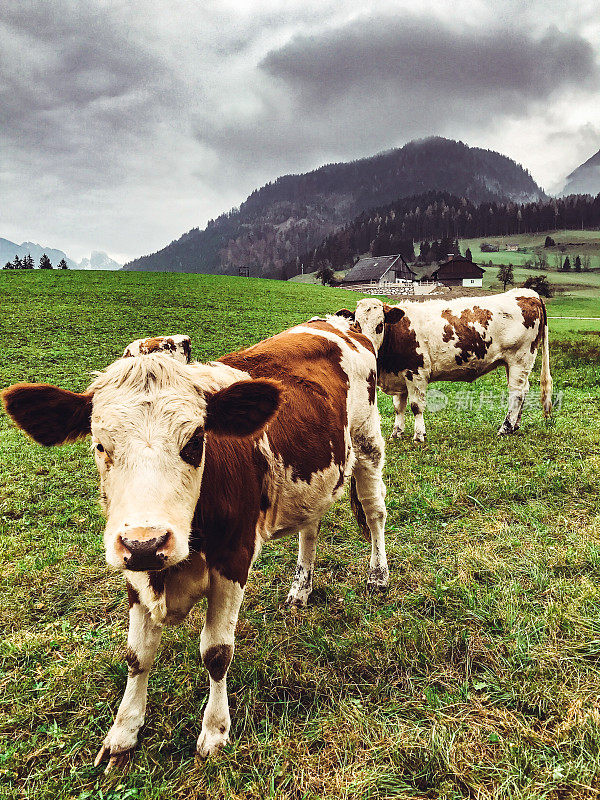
pixel 127 354
pixel 372 381
pixel 415 408
pixel 358 510
pixel 321 325
pixel 133 663
pixel 48 414
pixel 533 310
pixel 356 327
pixel 308 432
pixel 399 350
pixel 469 341
pixel 132 595
pixel 340 482
pixel 151 345
pixel 355 332
pixel 217 660
pixel 187 349
pixel 156 579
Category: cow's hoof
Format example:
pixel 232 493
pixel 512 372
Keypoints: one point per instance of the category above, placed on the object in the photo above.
pixel 296 601
pixel 506 429
pixel 419 438
pixel 210 742
pixel 396 433
pixel 378 579
pixel 116 760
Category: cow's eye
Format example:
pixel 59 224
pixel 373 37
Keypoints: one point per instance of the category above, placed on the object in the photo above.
pixel 99 448
pixel 192 452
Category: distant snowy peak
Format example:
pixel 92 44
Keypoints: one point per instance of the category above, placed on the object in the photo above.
pixel 585 179
pixel 99 260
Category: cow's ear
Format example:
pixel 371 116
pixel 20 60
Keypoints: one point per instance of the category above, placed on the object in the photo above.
pixel 392 314
pixel 343 312
pixel 48 414
pixel 242 409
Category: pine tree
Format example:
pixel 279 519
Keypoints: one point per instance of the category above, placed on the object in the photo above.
pixel 468 254
pixel 45 262
pixel 17 263
pixel 28 262
pixel 8 265
pixel 567 264
pixel 577 264
pixel 62 264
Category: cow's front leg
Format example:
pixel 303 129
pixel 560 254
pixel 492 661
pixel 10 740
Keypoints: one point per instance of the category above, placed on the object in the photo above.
pixel 302 584
pixel 216 646
pixel 142 642
pixel 399 401
pixel 417 392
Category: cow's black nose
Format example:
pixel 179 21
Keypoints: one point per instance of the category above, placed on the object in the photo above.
pixel 145 554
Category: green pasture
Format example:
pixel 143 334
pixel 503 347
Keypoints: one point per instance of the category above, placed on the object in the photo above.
pixel 476 676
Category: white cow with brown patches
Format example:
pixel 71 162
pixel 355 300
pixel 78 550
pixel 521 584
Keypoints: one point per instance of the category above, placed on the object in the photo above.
pixel 456 340
pixel 200 465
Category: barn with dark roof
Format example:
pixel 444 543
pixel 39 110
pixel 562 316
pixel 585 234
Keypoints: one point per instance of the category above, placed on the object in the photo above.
pixel 379 269
pixel 459 271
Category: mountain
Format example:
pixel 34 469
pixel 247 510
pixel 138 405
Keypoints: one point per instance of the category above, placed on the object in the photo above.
pixel 8 250
pixel 99 260
pixel 286 218
pixel 585 179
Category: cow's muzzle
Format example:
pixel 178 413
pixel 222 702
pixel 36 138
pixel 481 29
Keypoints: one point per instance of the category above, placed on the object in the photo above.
pixel 145 549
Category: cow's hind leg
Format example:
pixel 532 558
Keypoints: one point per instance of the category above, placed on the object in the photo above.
pixel 367 499
pixel 216 647
pixel 518 386
pixel 142 642
pixel 417 393
pixel 302 584
pixel 399 401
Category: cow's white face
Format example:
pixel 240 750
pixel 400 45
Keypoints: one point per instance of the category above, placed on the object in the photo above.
pixel 148 416
pixel 372 315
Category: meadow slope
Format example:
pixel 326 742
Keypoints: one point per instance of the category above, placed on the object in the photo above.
pixel 477 675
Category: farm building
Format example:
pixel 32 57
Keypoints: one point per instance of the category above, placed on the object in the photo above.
pixel 459 271
pixel 381 269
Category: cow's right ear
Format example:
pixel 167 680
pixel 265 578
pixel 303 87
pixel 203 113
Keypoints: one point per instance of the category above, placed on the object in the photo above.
pixel 48 414
pixel 343 312
pixel 392 314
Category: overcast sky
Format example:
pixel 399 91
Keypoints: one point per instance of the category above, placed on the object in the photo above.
pixel 125 124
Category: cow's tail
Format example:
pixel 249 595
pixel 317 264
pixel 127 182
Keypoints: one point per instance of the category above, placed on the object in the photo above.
pixel 358 510
pixel 545 376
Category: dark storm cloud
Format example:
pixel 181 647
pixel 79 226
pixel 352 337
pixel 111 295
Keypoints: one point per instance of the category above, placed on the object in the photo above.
pixel 407 53
pixel 381 80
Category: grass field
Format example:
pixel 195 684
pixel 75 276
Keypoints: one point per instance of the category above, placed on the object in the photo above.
pixel 476 676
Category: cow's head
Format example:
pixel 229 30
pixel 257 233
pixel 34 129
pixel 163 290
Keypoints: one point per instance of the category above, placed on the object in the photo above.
pixel 180 347
pixel 148 417
pixel 371 317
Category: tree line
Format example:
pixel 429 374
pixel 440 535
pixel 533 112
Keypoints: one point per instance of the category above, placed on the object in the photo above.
pixel 27 263
pixel 436 218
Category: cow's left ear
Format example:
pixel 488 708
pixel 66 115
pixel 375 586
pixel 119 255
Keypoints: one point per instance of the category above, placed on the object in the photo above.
pixel 392 314
pixel 242 409
pixel 343 312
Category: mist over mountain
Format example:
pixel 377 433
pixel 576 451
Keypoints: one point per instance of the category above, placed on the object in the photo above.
pixel 585 179
pixel 284 219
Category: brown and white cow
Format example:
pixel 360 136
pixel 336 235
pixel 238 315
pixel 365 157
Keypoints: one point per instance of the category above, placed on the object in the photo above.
pixel 200 464
pixel 456 340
